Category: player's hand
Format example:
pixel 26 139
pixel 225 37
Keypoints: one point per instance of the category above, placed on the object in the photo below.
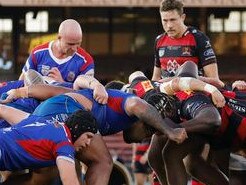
pixel 218 99
pixel 239 84
pixel 55 74
pixel 178 135
pixel 100 94
pixel 9 96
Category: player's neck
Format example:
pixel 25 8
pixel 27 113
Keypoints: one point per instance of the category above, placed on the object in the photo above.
pixel 56 50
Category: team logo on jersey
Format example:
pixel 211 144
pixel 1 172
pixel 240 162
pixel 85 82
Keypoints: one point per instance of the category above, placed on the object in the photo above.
pixel 209 52
pixel 45 70
pixel 70 76
pixel 186 51
pixel 161 52
pixel 172 67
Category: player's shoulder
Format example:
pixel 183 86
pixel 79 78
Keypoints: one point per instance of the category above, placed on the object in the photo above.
pixel 41 47
pixel 159 37
pixel 84 54
pixel 196 32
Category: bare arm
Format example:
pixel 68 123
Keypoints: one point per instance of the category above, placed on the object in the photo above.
pixel 21 77
pixel 156 74
pixel 149 115
pixel 206 120
pixel 192 84
pixel 7 113
pixel 67 172
pixel 39 91
pixel 99 91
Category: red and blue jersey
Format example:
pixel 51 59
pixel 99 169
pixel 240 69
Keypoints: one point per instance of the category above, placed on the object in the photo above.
pixel 42 60
pixel 6 86
pixel 34 144
pixel 192 46
pixel 112 117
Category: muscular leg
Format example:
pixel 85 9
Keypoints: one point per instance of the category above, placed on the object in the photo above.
pixel 173 155
pixel 155 157
pixel 98 160
pixel 203 171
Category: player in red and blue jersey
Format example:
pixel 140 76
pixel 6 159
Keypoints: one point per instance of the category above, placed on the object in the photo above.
pixel 122 112
pixel 37 144
pixel 62 59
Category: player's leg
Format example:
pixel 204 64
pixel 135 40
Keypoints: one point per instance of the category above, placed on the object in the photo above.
pixel 155 157
pixel 237 170
pixel 202 170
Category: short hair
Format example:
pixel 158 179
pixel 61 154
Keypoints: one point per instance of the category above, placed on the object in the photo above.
pixel 80 122
pixel 167 5
pixel 115 84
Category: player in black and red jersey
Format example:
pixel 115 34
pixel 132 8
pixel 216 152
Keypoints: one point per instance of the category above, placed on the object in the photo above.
pixel 180 43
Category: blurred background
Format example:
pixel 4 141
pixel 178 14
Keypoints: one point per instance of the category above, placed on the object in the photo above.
pixel 120 35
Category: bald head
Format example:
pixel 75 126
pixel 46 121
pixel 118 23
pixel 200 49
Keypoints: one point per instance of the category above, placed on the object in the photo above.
pixel 70 30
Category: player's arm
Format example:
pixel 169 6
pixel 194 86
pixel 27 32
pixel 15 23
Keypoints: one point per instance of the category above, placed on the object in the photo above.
pixel 192 84
pixel 38 91
pixel 205 120
pixel 135 106
pixel 99 91
pixel 7 112
pixel 156 74
pixel 239 84
pixel 21 77
pixel 67 172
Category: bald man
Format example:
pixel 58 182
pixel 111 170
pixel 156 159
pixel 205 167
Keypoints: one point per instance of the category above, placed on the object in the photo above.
pixel 62 59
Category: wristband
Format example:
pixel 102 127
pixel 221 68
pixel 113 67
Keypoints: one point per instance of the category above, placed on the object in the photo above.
pixel 22 92
pixel 210 88
pixel 184 83
pixel 166 87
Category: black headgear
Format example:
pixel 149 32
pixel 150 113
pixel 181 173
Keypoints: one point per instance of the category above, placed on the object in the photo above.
pixel 80 122
pixel 163 103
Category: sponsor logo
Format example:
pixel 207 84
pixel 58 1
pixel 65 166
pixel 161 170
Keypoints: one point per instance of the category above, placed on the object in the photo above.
pixel 209 52
pixel 147 85
pixel 186 51
pixel 236 106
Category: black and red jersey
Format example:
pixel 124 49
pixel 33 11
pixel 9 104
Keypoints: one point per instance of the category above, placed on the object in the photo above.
pixel 142 86
pixel 232 131
pixel 192 46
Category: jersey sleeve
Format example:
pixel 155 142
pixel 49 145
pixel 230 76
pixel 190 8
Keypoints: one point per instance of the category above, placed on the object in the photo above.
pixel 205 51
pixel 157 62
pixel 88 66
pixel 30 63
pixel 66 151
pixel 191 107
